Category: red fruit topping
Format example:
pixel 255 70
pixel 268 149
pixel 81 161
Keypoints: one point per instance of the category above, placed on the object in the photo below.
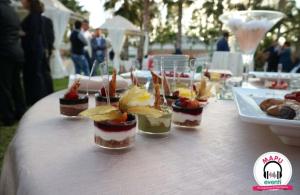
pixel 290 96
pixel 122 119
pixel 72 94
pixel 193 104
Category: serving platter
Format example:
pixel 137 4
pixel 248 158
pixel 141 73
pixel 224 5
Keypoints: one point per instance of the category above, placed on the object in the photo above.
pixel 248 100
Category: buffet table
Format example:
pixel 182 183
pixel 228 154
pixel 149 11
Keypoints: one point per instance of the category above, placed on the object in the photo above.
pixel 54 155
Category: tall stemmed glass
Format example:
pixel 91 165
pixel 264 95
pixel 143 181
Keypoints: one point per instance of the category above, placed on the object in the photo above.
pixel 249 28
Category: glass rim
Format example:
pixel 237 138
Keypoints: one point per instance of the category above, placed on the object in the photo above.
pixel 222 17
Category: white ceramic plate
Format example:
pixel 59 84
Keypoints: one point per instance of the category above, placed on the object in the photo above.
pixel 248 100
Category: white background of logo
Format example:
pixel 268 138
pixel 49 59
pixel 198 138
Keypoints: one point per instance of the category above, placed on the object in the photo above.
pixel 258 169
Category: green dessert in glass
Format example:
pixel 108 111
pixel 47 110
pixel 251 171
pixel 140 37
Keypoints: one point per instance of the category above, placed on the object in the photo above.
pixel 160 125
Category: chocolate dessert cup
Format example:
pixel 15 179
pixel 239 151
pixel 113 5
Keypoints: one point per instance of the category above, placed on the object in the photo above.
pixel 102 100
pixel 72 107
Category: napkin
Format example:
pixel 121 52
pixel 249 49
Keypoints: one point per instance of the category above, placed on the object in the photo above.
pixel 96 82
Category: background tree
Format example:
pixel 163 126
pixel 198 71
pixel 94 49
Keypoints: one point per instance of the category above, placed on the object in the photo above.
pixel 175 13
pixel 73 5
pixel 139 12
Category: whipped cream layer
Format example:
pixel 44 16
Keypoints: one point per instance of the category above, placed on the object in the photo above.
pixel 117 136
pixel 182 117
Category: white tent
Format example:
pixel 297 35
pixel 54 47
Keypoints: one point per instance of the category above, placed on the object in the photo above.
pixel 60 16
pixel 117 27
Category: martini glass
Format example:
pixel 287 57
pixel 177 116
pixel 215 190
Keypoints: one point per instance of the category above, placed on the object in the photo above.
pixel 249 28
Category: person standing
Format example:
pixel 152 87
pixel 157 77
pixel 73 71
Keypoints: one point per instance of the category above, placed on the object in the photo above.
pixel 12 103
pixel 33 44
pixel 88 36
pixel 77 50
pixel 98 44
pixel 285 57
pixel 49 41
pixel 273 57
pixel 222 43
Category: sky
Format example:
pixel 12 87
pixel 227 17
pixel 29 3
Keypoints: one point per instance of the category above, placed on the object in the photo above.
pixel 98 15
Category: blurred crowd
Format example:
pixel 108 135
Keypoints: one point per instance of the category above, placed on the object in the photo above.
pixel 280 58
pixel 25 51
pixel 87 47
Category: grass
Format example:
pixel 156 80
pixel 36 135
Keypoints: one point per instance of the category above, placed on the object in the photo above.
pixel 7 133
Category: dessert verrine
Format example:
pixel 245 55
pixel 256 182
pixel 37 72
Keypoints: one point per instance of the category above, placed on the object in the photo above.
pixel 158 125
pixel 72 103
pixel 101 97
pixel 116 134
pixel 187 112
pixel 102 100
pixel 115 126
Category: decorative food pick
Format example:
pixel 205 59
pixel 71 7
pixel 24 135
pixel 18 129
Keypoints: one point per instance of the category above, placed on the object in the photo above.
pixel 170 97
pixel 134 80
pixel 203 90
pixel 115 126
pixel 72 103
pixel 161 125
pixel 101 98
pixel 113 84
pixel 187 111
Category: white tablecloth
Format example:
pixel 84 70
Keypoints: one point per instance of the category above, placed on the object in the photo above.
pixel 53 155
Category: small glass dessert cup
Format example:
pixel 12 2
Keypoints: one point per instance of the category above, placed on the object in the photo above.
pixel 72 103
pixel 187 113
pixel 72 107
pixel 115 135
pixel 156 126
pixel 102 100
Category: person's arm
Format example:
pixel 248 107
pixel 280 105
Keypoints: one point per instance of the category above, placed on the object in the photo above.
pixel 94 44
pixel 82 38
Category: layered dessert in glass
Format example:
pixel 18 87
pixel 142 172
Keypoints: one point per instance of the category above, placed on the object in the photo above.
pixel 114 134
pixel 72 103
pixel 161 125
pixel 115 126
pixel 187 113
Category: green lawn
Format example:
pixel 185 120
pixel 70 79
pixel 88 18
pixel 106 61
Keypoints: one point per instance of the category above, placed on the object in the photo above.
pixel 7 133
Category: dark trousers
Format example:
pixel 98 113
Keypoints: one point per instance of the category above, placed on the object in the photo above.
pixel 47 74
pixel 88 58
pixel 12 103
pixel 272 67
pixel 34 83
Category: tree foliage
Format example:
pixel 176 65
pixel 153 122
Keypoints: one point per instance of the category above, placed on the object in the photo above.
pixel 73 5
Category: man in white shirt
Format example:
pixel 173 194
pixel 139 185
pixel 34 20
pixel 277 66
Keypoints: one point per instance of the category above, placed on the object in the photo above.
pixel 88 36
